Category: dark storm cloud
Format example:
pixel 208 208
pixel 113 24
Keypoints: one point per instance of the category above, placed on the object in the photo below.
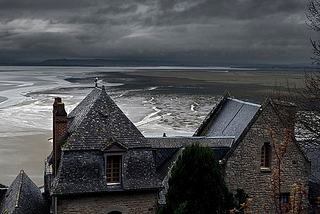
pixel 242 30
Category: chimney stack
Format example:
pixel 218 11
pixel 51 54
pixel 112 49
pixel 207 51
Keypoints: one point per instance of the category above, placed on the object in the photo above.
pixel 59 130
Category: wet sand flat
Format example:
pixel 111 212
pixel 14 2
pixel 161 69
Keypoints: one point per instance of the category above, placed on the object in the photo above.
pixel 243 77
pixel 249 85
pixel 171 101
pixel 25 151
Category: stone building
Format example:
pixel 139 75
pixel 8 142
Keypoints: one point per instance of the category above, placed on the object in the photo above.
pixel 312 149
pixel 245 138
pixel 106 165
pixel 264 158
pixel 101 163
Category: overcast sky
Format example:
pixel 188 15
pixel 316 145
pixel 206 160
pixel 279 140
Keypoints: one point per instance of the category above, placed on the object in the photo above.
pixel 255 31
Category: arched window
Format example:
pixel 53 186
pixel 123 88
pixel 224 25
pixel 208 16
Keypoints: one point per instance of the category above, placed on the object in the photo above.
pixel 266 155
pixel 115 212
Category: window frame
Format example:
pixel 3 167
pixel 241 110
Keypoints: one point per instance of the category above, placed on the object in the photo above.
pixel 285 197
pixel 114 150
pixel 265 156
pixel 284 201
pixel 113 157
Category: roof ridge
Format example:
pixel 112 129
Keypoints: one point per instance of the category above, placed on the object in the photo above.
pixel 71 114
pixel 21 174
pixel 216 108
pixel 244 102
pixel 82 109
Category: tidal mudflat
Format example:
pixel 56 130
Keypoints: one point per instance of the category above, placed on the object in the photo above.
pixel 171 100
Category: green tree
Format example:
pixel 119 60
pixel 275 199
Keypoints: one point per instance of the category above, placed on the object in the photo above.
pixel 196 185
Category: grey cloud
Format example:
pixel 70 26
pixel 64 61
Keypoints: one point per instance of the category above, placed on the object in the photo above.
pixel 115 10
pixel 34 5
pixel 201 11
pixel 213 29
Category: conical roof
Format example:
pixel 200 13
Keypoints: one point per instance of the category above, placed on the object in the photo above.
pixel 23 196
pixel 97 121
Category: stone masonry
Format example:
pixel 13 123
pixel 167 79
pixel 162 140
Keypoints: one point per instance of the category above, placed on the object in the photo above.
pixel 242 170
pixel 126 203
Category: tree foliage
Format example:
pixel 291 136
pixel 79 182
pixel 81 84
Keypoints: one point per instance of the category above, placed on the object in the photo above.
pixel 279 150
pixel 196 185
pixel 307 96
pixel 308 102
pixel 309 99
pixel 313 16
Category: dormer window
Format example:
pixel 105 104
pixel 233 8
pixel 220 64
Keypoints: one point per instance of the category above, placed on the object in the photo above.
pixel 114 169
pixel 114 156
pixel 266 156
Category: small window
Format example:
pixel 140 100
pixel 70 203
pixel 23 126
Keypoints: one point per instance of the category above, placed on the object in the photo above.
pixel 284 202
pixel 266 156
pixel 114 159
pixel 113 169
pixel 284 198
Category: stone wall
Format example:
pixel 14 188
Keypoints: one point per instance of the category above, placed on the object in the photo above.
pixel 125 202
pixel 242 169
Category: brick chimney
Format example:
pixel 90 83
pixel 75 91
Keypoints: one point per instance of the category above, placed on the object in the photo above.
pixel 59 130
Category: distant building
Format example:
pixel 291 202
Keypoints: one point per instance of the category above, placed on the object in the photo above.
pixel 101 163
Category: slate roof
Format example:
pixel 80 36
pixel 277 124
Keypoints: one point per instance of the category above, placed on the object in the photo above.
pixel 167 148
pixel 312 151
pixel 94 126
pixel 97 120
pixel 84 172
pixel 178 142
pixel 24 197
pixel 229 117
pixel 235 117
pixel 164 160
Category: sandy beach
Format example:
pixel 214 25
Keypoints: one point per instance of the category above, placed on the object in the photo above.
pixel 25 151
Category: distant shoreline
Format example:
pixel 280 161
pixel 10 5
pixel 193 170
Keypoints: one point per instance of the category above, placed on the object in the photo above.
pixel 115 62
